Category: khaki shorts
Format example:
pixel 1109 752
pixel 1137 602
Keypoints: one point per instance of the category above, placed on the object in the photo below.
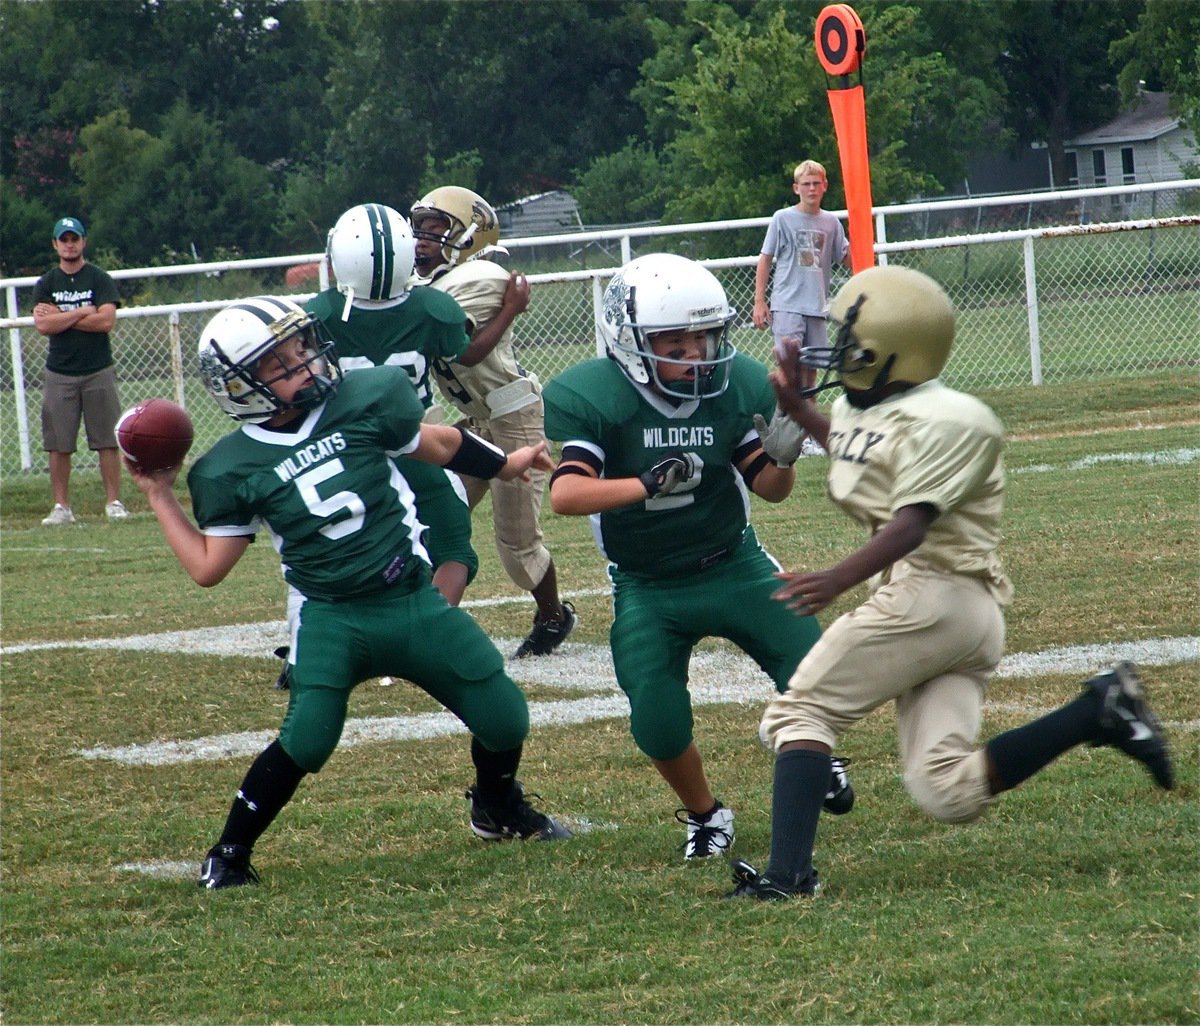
pixel 67 399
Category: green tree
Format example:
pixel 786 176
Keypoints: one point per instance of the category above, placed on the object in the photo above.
pixel 24 234
pixel 1164 52
pixel 156 195
pixel 1056 64
pixel 630 185
pixel 756 104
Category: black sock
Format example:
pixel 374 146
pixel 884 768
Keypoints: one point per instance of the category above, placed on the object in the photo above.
pixel 801 782
pixel 1018 754
pixel 268 786
pixel 495 772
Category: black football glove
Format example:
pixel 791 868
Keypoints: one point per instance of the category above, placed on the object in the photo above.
pixel 668 474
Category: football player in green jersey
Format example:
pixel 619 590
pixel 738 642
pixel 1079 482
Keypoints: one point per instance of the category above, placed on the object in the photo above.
pixel 312 463
pixel 659 449
pixel 919 465
pixel 377 319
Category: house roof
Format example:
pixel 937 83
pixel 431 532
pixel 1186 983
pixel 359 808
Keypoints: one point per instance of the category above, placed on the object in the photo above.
pixel 1148 118
pixel 557 194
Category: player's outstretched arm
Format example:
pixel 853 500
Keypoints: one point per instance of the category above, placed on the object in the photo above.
pixel 465 453
pixel 206 558
pixel 803 410
pixel 811 592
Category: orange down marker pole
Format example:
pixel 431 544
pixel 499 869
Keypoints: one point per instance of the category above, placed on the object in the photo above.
pixel 841 44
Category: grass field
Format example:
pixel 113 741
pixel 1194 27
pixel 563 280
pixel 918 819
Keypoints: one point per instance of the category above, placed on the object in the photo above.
pixel 1074 900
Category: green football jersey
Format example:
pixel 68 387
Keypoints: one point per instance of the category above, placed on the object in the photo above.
pixel 630 428
pixel 340 513
pixel 427 325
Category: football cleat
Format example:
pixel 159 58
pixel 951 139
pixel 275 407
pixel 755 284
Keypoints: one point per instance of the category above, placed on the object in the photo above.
pixel 1127 722
pixel 514 819
pixel 227 865
pixel 547 635
pixel 707 835
pixel 748 882
pixel 284 681
pixel 116 510
pixel 839 799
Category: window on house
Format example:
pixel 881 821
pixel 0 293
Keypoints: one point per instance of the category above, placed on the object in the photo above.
pixel 1127 175
pixel 1099 174
pixel 1072 168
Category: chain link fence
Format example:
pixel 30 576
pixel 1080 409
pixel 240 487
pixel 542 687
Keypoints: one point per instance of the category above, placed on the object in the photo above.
pixel 1046 292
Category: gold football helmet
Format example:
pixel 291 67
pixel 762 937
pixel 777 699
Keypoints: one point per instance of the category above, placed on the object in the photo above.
pixel 887 325
pixel 461 220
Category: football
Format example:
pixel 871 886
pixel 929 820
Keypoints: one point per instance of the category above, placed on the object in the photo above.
pixel 155 434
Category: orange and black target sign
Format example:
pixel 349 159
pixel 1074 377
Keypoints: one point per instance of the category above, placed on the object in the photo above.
pixel 841 41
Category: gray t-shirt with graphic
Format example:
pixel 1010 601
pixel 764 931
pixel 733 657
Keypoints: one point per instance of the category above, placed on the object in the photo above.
pixel 805 248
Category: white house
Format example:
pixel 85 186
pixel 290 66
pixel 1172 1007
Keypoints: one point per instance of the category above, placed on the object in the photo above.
pixel 1142 144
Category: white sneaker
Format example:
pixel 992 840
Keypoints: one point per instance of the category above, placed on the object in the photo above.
pixel 707 835
pixel 59 515
pixel 116 510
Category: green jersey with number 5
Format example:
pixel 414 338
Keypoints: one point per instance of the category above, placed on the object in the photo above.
pixel 626 429
pixel 339 511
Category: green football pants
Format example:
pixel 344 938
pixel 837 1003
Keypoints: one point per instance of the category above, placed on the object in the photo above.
pixel 657 624
pixel 412 634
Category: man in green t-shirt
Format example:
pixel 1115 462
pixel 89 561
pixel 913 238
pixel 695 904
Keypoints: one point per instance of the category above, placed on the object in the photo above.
pixel 75 307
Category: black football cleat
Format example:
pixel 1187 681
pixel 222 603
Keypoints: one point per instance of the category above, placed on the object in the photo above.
pixel 748 882
pixel 839 799
pixel 284 681
pixel 227 865
pixel 514 819
pixel 547 635
pixel 1127 722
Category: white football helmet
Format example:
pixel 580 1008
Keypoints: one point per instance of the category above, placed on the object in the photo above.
pixel 661 292
pixel 888 324
pixel 234 342
pixel 371 252
pixel 461 220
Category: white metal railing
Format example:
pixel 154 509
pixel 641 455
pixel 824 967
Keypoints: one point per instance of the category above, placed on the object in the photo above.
pixel 1082 296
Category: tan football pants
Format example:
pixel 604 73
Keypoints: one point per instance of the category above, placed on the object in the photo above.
pixel 927 641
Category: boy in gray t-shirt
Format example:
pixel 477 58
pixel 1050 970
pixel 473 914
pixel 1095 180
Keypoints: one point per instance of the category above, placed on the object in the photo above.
pixel 804 242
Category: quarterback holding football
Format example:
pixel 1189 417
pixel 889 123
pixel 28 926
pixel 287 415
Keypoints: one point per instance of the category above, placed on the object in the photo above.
pixel 312 463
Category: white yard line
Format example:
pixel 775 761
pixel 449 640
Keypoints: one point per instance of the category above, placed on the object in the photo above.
pixel 718 676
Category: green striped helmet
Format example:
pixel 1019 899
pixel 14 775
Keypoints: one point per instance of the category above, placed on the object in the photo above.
pixel 371 252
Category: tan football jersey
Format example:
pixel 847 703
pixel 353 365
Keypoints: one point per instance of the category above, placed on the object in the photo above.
pixel 478 286
pixel 928 445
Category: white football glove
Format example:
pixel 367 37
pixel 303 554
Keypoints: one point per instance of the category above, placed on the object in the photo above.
pixel 668 474
pixel 782 439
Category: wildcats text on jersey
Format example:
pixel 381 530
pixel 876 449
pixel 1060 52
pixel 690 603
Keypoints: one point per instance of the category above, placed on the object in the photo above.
pixel 677 437
pixel 311 454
